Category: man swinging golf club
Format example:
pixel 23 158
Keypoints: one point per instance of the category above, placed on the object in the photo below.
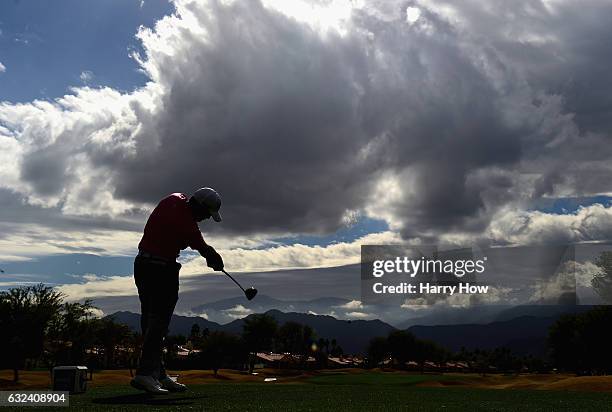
pixel 171 227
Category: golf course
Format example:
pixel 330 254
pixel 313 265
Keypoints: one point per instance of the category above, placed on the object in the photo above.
pixel 346 390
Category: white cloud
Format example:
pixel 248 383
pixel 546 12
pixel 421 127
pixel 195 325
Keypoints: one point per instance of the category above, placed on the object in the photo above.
pixel 17 283
pixel 25 241
pixel 96 313
pixel 292 256
pixel 2 68
pixel 331 15
pixel 353 304
pixel 359 315
pixel 513 226
pixel 519 227
pixel 412 14
pixel 191 314
pixel 238 312
pixel 86 76
pixel 104 286
pixel 330 313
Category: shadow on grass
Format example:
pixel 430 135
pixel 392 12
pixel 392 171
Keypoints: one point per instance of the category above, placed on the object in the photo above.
pixel 147 399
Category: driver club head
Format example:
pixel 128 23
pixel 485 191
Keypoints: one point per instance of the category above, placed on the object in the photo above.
pixel 250 293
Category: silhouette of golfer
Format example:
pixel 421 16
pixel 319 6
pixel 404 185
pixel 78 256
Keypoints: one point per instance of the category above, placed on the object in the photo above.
pixel 171 228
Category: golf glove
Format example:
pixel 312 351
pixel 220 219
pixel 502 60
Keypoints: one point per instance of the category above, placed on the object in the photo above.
pixel 213 259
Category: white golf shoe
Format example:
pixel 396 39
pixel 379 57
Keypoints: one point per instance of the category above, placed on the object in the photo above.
pixel 172 385
pixel 148 383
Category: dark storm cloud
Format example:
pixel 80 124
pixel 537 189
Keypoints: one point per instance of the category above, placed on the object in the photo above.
pixel 469 110
pixel 561 51
pixel 265 111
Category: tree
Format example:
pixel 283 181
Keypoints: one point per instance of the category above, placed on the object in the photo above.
pixel 402 345
pixel 25 315
pixel 602 281
pixel 221 349
pixel 425 350
pixel 377 351
pixel 134 346
pixel 337 351
pixel 195 332
pixel 71 332
pixel 295 338
pixel 110 335
pixel 259 331
pixel 580 342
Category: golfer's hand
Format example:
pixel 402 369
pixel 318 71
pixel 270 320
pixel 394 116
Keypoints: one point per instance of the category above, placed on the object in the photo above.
pixel 213 259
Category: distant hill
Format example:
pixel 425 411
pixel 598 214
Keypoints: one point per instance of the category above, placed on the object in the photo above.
pixel 179 325
pixel 225 304
pixel 541 311
pixel 524 335
pixel 489 313
pixel 454 316
pixel 225 310
pixel 353 336
pixel 268 302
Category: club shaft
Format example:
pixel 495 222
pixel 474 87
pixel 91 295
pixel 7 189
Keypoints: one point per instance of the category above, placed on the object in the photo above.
pixel 235 281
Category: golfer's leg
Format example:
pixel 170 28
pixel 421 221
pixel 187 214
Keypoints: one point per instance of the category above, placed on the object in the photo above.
pixel 169 303
pixel 152 322
pixel 143 279
pixel 144 309
pixel 152 343
pixel 162 366
pixel 143 295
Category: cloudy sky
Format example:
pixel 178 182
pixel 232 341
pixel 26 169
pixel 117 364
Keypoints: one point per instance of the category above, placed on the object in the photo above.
pixel 323 124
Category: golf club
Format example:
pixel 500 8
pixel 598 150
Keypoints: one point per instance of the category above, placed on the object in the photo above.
pixel 249 293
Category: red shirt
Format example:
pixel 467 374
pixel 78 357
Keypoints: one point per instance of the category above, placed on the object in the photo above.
pixel 171 228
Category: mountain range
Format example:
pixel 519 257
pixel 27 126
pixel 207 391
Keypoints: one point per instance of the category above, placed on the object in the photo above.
pixel 523 329
pixel 352 335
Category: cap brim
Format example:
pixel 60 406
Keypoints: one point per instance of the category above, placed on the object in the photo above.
pixel 216 216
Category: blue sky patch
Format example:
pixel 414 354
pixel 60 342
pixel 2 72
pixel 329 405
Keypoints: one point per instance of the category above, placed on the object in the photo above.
pixel 569 205
pixel 47 49
pixel 361 228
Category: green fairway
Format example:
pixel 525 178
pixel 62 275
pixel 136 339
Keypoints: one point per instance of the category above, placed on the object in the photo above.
pixel 381 379
pixel 338 392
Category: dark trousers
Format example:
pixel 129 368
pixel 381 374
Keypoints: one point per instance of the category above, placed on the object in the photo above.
pixel 158 285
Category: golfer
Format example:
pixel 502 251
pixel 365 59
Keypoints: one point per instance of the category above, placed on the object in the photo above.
pixel 171 227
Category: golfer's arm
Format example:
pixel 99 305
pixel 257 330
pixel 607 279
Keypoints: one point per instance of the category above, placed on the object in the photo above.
pixel 196 240
pixel 202 248
pixel 202 251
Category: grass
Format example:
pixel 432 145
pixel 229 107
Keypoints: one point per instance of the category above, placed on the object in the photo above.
pixel 386 378
pixel 368 391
